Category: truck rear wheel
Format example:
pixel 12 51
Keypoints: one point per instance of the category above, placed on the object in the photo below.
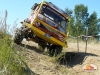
pixel 55 50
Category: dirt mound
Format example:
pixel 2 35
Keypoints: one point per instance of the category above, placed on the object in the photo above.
pixel 69 64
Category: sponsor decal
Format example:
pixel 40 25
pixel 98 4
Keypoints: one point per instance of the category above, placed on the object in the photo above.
pixel 89 67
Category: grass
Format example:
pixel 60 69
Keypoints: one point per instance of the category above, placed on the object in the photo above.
pixel 11 61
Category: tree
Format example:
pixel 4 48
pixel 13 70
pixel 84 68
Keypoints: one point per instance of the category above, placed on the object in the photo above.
pixel 98 26
pixel 80 18
pixel 81 15
pixel 92 24
pixel 72 25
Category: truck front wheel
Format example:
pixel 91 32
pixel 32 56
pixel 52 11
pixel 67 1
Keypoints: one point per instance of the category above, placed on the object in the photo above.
pixel 19 35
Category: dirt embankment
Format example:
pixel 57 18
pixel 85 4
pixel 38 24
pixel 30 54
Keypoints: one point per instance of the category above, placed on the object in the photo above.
pixel 70 64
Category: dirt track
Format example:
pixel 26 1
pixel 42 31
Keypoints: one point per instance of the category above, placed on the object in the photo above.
pixel 92 56
pixel 43 64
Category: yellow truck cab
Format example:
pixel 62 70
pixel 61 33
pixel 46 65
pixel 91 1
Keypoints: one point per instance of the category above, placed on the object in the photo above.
pixel 47 25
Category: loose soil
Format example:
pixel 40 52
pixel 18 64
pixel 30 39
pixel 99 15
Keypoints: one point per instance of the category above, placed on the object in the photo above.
pixel 69 64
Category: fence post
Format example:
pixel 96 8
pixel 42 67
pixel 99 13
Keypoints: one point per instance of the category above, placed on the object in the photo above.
pixel 86 39
pixel 77 41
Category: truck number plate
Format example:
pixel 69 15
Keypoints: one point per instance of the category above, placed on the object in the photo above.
pixel 47 35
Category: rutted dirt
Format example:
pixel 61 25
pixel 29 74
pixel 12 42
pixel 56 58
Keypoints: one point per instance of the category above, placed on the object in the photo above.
pixel 70 64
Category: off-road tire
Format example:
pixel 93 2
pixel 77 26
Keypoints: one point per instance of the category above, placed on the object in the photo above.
pixel 19 35
pixel 55 50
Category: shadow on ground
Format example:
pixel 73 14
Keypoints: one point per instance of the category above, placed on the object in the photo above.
pixel 31 48
pixel 28 71
pixel 73 58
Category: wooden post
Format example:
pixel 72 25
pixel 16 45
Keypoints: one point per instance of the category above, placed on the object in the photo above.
pixel 86 39
pixel 77 41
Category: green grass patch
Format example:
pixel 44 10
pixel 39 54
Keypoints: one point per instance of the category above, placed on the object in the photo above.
pixel 11 62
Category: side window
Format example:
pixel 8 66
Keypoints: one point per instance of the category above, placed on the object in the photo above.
pixel 33 14
pixel 34 11
pixel 34 6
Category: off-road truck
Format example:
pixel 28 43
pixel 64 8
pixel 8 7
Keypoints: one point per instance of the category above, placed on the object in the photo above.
pixel 47 25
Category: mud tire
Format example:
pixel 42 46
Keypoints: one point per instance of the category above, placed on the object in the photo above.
pixel 19 35
pixel 55 50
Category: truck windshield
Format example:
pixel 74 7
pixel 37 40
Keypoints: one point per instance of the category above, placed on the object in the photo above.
pixel 54 16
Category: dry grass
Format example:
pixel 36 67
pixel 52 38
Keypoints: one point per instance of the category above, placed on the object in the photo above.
pixel 11 61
